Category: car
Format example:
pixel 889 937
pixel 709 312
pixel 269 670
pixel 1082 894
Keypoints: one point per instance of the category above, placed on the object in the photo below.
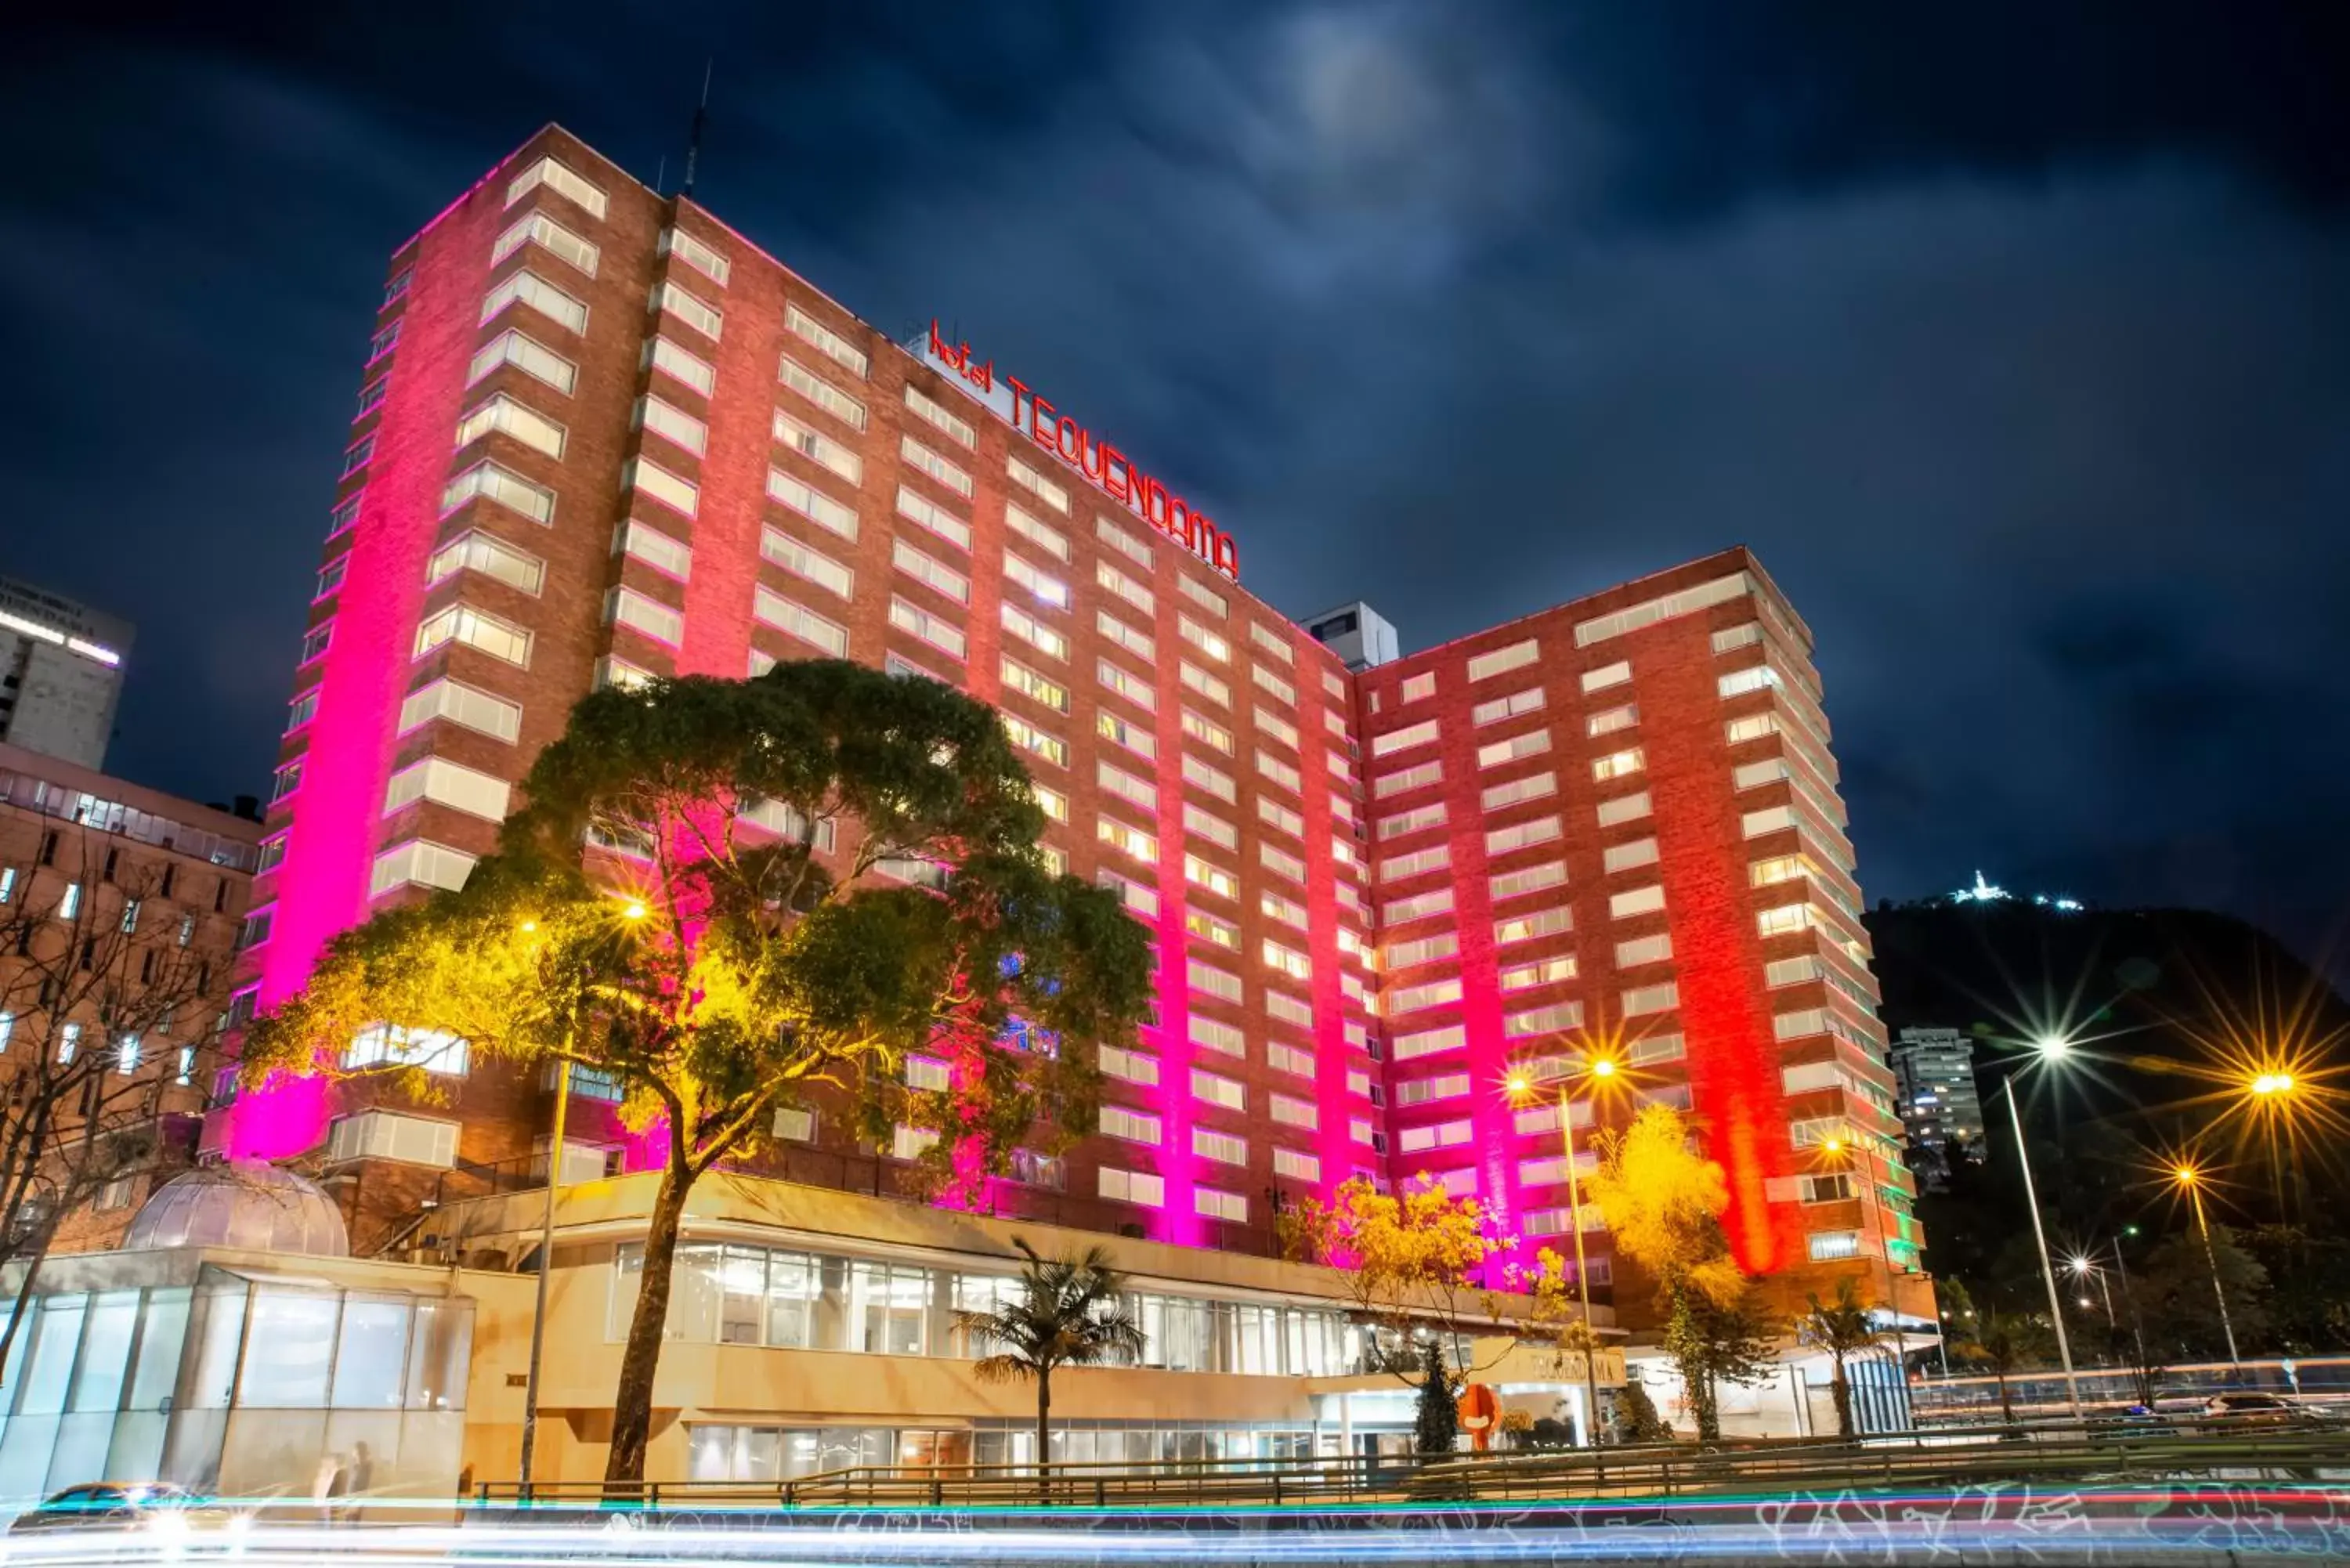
pixel 2248 1408
pixel 153 1506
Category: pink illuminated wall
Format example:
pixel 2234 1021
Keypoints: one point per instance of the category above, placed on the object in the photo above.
pixel 321 887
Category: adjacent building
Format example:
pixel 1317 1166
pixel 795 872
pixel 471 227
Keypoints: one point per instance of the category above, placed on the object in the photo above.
pixel 601 437
pixel 119 910
pixel 60 673
pixel 1940 1106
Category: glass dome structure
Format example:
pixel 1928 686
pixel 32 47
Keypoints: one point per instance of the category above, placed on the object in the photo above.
pixel 250 1207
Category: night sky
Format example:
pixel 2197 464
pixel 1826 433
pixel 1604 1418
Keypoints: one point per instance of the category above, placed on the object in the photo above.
pixel 2016 337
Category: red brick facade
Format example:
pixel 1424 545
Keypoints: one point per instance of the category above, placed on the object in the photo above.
pixel 782 451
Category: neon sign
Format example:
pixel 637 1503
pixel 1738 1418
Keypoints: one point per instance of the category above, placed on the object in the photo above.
pixel 1109 469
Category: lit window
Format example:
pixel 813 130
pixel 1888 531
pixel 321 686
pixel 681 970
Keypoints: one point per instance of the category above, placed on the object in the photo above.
pixel 559 178
pixel 539 229
pixel 935 465
pixel 850 411
pixel 773 609
pixel 502 413
pixel 929 514
pixel 804 561
pixel 834 516
pixel 527 288
pixel 529 356
pixel 1516 656
pixel 826 341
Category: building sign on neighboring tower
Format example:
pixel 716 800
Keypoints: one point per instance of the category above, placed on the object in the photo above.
pixel 1110 471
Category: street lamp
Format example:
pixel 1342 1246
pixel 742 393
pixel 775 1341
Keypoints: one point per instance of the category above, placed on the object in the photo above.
pixel 2051 1049
pixel 2083 1269
pixel 1601 1069
pixel 2188 1176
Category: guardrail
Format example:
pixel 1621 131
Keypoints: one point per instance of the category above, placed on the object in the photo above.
pixel 1938 1458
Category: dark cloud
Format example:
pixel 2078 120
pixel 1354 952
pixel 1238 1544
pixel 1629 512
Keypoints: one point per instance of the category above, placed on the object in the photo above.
pixel 2012 336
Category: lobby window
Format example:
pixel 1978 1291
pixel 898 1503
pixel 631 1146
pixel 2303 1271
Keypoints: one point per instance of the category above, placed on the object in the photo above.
pixel 1219 1205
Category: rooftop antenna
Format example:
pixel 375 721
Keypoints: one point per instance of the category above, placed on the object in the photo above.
pixel 701 115
pixel 660 173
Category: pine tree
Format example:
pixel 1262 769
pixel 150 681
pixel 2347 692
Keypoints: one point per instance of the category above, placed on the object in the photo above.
pixel 1439 1415
pixel 1638 1415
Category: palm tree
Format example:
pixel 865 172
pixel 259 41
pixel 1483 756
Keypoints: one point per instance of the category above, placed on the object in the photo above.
pixel 1065 1312
pixel 1843 1329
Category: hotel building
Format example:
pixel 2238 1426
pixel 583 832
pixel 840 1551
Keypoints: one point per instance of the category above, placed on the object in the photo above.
pixel 601 437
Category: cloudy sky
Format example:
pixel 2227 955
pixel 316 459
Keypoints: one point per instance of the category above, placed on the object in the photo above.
pixel 2016 337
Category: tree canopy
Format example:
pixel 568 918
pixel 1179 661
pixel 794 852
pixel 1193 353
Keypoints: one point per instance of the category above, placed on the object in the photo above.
pixel 1663 1202
pixel 732 896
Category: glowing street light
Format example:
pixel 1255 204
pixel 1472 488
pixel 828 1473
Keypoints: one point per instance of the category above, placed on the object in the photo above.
pixel 2188 1177
pixel 634 909
pixel 2270 1084
pixel 1521 1086
pixel 2083 1268
pixel 2052 1050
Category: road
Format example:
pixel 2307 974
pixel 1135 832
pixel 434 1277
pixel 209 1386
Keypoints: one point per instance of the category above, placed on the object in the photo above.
pixel 2198 1524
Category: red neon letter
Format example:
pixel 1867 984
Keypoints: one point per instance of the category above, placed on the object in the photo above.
pixel 1069 439
pixel 1039 413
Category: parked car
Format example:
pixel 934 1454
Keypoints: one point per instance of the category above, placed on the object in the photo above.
pixel 152 1506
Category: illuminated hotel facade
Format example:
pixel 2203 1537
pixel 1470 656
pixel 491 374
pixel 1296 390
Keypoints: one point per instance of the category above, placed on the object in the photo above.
pixel 602 437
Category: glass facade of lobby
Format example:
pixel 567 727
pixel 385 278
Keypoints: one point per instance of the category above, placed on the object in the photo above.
pixel 749 1453
pixel 735 1295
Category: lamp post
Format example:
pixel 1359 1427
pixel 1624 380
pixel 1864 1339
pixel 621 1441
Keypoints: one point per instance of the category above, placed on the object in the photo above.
pixel 2051 1049
pixel 2082 1268
pixel 1600 1068
pixel 2190 1177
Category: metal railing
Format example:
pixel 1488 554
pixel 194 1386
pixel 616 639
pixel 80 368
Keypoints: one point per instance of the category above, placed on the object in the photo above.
pixel 1938 1458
